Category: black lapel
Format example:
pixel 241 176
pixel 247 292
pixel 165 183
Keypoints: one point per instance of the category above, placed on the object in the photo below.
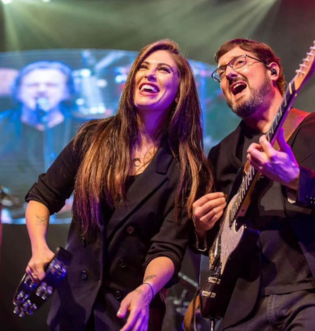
pixel 153 176
pixel 232 147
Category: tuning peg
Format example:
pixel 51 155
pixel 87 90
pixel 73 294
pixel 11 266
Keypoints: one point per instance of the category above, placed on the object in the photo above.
pixel 299 71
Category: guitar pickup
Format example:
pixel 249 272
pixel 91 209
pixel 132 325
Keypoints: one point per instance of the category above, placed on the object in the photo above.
pixel 208 294
pixel 214 280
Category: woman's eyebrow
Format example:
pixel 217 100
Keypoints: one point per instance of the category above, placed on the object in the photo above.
pixel 160 64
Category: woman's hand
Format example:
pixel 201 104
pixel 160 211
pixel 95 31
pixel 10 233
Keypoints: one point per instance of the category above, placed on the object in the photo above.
pixel 137 304
pixel 35 267
pixel 207 210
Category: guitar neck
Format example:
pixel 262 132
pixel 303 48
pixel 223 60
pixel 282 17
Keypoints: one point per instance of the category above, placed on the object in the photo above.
pixel 243 195
pixel 250 178
pixel 282 113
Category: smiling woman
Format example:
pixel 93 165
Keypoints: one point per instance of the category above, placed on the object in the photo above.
pixel 135 178
pixel 157 83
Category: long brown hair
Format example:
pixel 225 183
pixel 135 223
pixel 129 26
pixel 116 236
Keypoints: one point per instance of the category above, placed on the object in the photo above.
pixel 107 153
pixel 261 50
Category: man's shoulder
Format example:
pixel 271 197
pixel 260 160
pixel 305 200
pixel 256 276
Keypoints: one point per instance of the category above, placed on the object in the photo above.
pixel 307 125
pixel 309 119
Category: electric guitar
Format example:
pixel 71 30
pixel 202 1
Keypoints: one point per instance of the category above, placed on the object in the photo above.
pixel 235 237
pixel 32 294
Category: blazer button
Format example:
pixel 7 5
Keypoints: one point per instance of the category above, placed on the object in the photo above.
pixel 84 275
pixel 122 263
pixel 83 241
pixel 117 295
pixel 130 229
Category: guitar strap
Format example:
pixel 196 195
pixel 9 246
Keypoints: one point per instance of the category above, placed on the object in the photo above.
pixel 190 315
pixel 295 117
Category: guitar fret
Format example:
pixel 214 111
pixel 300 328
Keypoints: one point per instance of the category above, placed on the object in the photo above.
pixel 268 136
pixel 248 178
pixel 271 130
pixel 246 184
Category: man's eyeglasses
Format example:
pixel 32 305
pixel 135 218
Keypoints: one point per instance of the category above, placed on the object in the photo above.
pixel 236 63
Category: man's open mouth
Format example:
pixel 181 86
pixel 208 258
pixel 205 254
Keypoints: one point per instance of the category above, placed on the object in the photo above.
pixel 238 87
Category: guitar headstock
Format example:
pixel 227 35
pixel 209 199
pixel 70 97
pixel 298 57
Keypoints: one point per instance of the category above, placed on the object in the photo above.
pixel 307 68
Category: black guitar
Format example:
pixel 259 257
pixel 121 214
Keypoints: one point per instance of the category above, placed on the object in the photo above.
pixel 235 238
pixel 31 295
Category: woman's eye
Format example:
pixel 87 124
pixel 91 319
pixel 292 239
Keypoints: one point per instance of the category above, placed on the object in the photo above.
pixel 166 69
pixel 143 66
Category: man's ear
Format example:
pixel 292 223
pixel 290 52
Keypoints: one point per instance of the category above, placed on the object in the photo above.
pixel 274 71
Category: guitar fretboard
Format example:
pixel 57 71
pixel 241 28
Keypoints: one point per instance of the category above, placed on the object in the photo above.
pixel 251 174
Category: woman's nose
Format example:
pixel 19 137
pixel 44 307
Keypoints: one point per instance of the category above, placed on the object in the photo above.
pixel 150 75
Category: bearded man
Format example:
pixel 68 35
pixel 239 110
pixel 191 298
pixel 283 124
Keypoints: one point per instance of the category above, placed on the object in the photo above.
pixel 275 287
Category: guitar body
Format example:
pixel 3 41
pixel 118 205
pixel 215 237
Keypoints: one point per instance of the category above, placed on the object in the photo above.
pixel 31 295
pixel 235 242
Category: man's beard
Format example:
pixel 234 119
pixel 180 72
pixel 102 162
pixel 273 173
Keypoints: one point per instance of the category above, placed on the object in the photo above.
pixel 250 106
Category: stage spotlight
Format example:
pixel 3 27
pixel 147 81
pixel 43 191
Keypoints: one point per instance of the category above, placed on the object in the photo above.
pixel 6 1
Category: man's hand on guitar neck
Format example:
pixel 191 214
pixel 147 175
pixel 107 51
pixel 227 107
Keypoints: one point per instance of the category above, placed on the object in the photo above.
pixel 280 166
pixel 207 211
